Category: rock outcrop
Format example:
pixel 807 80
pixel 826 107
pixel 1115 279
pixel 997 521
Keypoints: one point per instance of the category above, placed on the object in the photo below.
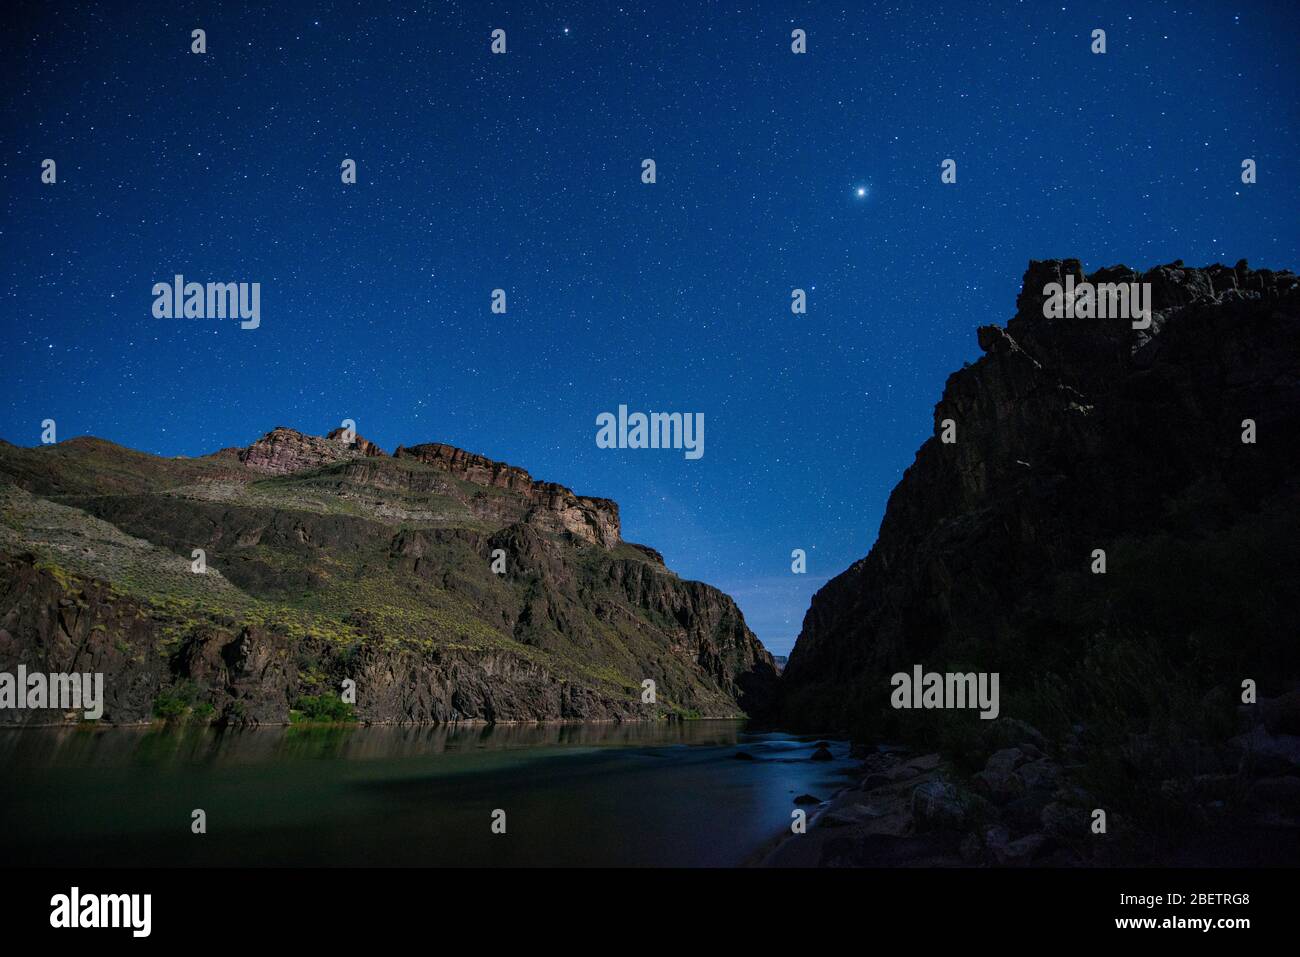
pixel 1114 531
pixel 285 451
pixel 1074 435
pixel 592 519
pixel 549 506
pixel 357 443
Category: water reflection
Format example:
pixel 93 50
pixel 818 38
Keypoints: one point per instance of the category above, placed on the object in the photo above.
pixel 88 746
pixel 580 794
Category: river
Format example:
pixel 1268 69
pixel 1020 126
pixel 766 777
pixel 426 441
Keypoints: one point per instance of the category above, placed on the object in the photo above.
pixel 640 794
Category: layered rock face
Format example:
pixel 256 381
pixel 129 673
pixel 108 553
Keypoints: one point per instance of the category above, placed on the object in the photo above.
pixel 1075 435
pixel 443 585
pixel 357 443
pixel 557 508
pixel 286 451
pixel 549 506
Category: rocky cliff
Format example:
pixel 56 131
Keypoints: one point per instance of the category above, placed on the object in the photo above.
pixel 1115 530
pixel 285 451
pixel 1073 435
pixel 443 585
pixel 556 507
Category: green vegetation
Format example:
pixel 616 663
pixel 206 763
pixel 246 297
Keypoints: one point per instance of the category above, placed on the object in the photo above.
pixel 325 709
pixel 59 573
pixel 180 701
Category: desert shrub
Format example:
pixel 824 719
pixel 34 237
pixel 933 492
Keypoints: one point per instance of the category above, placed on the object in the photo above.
pixel 321 708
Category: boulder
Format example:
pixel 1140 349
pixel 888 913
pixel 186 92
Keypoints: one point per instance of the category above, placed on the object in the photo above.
pixel 999 781
pixel 850 814
pixel 937 804
pixel 1020 853
pixel 1065 822
pixel 1041 775
pixel 926 762
pixel 1281 715
pixel 1276 801
pixel 1265 753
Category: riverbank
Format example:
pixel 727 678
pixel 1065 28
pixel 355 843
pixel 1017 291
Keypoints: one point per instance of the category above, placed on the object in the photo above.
pixel 1038 804
pixel 914 810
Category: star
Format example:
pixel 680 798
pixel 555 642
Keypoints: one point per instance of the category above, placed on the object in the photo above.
pixel 861 192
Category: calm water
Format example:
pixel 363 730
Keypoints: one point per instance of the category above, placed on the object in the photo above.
pixel 580 794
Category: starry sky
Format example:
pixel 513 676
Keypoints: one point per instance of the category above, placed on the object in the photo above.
pixel 522 171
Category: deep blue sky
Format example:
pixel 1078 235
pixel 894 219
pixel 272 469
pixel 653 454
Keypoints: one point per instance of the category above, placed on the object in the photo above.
pixel 522 172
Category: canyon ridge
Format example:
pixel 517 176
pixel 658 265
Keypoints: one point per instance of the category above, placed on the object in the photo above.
pixel 328 560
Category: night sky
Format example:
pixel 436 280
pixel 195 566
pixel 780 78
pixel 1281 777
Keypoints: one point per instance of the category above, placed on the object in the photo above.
pixel 523 172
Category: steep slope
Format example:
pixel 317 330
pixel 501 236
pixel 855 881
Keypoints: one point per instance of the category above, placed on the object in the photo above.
pixel 329 560
pixel 1074 435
